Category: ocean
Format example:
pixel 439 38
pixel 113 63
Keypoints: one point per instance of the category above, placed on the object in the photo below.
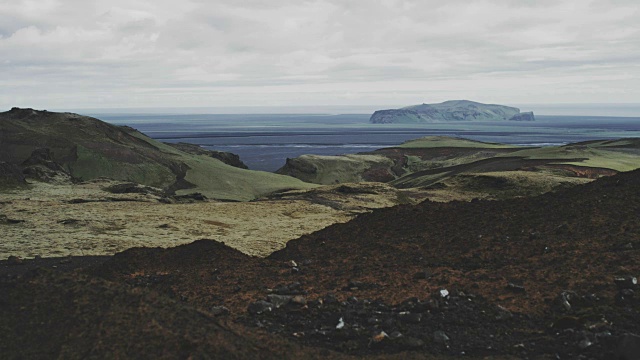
pixel 265 141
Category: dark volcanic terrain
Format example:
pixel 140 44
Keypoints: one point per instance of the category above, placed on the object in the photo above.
pixel 547 277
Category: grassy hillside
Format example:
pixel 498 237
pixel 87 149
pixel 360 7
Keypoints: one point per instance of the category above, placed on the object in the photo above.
pixel 618 155
pixel 388 164
pixel 328 170
pixel 446 141
pixel 88 148
pixel 216 179
pixel 221 181
pixel 538 169
pixel 460 168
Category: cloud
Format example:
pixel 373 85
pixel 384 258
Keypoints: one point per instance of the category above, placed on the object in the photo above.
pixel 74 54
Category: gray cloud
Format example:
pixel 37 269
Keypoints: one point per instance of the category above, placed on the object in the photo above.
pixel 75 54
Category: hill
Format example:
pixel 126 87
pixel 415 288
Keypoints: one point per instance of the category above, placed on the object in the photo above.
pixel 86 148
pixel 452 110
pixel 388 164
pixel 453 168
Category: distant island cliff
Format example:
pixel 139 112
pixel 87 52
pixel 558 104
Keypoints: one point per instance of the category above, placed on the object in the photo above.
pixel 452 110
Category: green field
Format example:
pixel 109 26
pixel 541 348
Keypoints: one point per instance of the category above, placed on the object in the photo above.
pixel 445 141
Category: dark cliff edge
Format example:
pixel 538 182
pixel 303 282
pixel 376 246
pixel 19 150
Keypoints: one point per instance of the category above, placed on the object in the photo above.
pixel 524 116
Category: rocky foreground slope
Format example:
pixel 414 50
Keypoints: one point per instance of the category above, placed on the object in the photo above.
pixel 548 277
pixel 452 110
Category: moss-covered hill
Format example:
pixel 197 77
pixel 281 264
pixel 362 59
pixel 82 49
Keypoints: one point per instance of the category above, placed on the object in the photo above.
pixel 389 164
pixel 89 148
pixel 453 165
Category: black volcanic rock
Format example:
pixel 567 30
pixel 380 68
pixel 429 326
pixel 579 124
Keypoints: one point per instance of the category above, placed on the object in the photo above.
pixel 87 318
pixel 453 110
pixel 43 157
pixel 41 166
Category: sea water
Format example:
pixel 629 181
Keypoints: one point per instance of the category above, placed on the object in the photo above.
pixel 265 141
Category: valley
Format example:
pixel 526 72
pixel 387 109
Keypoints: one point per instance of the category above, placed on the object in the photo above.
pixel 435 248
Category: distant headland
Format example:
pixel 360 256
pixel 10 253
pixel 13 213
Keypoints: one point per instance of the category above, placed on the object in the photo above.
pixel 452 110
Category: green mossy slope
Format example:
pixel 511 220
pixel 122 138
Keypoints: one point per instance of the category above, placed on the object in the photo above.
pixel 89 148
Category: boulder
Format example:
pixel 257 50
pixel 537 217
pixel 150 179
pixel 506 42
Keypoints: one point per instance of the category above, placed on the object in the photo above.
pixel 260 307
pixel 41 166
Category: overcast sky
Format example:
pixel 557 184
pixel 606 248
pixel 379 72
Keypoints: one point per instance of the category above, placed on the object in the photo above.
pixel 73 54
